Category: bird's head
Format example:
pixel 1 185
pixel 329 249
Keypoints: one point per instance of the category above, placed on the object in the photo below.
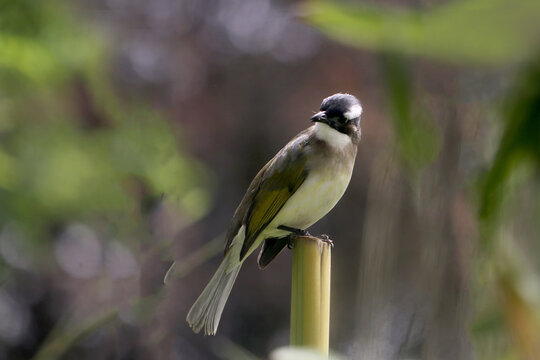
pixel 340 112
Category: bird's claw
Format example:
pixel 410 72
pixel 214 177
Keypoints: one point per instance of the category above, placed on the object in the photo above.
pixel 326 239
pixel 290 242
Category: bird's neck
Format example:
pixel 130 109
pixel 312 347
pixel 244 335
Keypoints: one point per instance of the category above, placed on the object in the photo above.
pixel 331 136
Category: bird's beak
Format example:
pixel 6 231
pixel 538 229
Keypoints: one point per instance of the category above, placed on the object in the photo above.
pixel 319 117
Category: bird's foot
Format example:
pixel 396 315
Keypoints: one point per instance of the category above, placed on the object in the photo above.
pixel 326 239
pixel 290 242
pixel 294 231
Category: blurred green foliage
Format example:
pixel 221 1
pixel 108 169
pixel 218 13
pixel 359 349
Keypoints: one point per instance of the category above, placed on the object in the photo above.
pixel 520 142
pixel 418 141
pixel 43 43
pixel 479 31
pixel 70 148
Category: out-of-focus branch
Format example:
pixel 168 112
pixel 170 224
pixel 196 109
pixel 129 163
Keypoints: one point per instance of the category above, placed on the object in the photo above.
pixel 181 268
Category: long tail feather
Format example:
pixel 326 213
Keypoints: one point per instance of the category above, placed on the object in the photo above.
pixel 206 311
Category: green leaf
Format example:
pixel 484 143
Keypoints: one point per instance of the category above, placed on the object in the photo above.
pixel 520 143
pixel 478 31
pixel 418 141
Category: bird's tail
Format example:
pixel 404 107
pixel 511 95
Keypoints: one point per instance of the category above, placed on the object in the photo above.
pixel 206 311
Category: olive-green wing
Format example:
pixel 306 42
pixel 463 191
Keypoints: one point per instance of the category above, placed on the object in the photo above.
pixel 284 175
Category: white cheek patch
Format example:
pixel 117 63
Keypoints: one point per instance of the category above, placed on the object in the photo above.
pixel 355 112
pixel 331 136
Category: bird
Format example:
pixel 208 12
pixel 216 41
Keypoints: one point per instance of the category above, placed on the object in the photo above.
pixel 294 190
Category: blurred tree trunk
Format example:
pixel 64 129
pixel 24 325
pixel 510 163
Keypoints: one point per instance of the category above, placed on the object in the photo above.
pixel 413 289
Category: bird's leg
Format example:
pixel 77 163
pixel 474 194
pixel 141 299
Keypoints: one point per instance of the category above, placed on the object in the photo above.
pixel 295 231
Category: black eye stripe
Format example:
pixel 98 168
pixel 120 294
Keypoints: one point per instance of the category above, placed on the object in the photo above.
pixel 333 113
pixel 337 117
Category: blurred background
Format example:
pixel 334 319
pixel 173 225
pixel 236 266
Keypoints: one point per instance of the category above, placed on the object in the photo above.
pixel 129 131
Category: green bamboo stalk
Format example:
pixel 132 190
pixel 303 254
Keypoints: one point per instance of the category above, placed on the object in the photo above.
pixel 310 295
pixel 326 262
pixel 306 293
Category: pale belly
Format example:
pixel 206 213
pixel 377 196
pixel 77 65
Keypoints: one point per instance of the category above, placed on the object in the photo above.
pixel 313 200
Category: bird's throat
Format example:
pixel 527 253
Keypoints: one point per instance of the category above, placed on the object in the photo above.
pixel 331 136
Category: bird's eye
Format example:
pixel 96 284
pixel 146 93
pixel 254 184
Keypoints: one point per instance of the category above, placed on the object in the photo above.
pixel 331 112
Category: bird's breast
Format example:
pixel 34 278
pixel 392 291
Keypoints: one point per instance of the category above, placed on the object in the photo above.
pixel 319 193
